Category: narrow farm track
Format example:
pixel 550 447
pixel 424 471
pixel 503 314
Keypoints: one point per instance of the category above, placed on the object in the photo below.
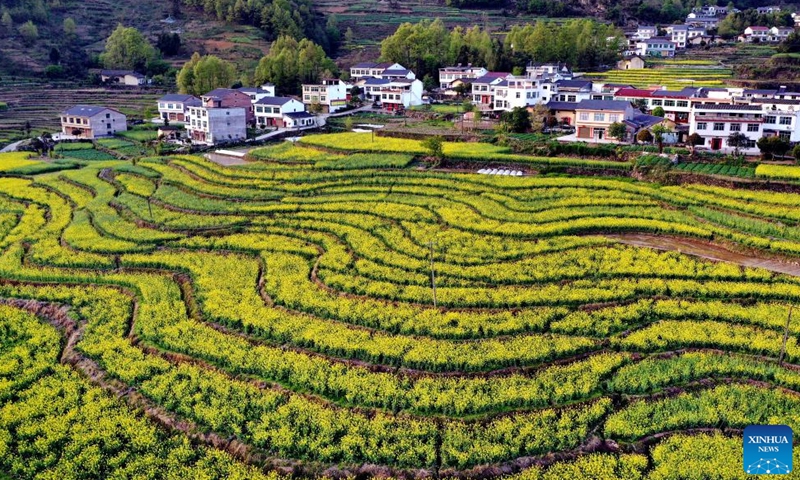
pixel 283 312
pixel 708 251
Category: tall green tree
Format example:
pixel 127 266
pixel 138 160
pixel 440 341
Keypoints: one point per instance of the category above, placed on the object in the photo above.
pixel 127 49
pixel 29 32
pixel 290 63
pixel 7 22
pixel 70 28
pixel 200 75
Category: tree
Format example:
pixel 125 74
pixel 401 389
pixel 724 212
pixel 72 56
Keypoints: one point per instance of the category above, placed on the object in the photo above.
pixel 55 55
pixel 169 44
pixel 7 22
pixel 538 115
pixel 644 136
pixel 659 112
pixel 518 119
pixel 796 153
pixel 200 75
pixel 658 135
pixel 127 49
pixel 693 141
pixel 27 127
pixel 772 146
pixel 349 37
pixel 467 106
pixel 618 130
pixel 348 123
pixel 435 147
pixel 640 104
pixel 290 63
pixel 737 140
pixel 29 32
pixel 70 29
pixel 315 108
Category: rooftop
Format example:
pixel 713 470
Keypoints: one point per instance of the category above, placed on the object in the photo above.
pixel 86 110
pixel 614 105
pixel 274 101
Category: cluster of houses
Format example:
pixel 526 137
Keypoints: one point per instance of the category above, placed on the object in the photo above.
pixel 650 41
pixel 591 107
pixel 224 114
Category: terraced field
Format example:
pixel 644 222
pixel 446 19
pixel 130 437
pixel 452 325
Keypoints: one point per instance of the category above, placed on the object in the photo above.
pixel 281 315
pixel 671 75
pixel 41 104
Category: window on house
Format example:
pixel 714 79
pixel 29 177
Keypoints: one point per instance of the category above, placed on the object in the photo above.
pixel 657 103
pixel 682 103
pixel 571 98
pixel 786 120
pixel 669 103
pixel 613 118
pixel 584 117
pixel 770 119
pixel 599 117
pixel 736 127
pixel 702 126
pixel 108 115
pixel 719 127
pixel 752 127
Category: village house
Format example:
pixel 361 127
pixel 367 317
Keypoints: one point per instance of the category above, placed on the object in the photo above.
pixel 401 93
pixel 86 121
pixel 516 91
pixel 632 62
pixel 594 117
pixel 702 21
pixel 755 34
pixel 123 77
pixel 563 112
pixel 448 75
pixel 779 34
pixel 211 124
pixel 716 122
pixel 376 70
pixel 656 47
pixel 257 93
pixel 572 90
pixel 680 35
pixel 330 95
pixel 271 111
pixel 299 120
pixel 174 107
pixel 229 98
pixel 768 10
pixel 483 90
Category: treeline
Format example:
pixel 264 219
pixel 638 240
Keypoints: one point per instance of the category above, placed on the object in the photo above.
pixel 293 18
pixel 426 46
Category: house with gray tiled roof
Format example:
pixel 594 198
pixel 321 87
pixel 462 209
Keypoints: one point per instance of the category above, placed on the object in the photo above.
pixel 91 121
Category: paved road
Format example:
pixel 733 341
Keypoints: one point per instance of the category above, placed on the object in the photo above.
pixel 699 248
pixel 11 147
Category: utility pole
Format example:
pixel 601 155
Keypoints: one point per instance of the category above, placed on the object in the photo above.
pixel 785 335
pixel 433 274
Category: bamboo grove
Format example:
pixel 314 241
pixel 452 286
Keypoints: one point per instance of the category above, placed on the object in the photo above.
pixel 174 318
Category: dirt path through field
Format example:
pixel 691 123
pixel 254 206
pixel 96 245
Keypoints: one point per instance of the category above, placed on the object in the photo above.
pixel 708 251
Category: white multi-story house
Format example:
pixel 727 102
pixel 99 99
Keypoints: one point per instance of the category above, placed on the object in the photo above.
pixel 716 122
pixel 571 90
pixel 330 94
pixel 779 34
pixel 371 69
pixel 680 35
pixel 467 73
pixel 174 107
pixel 768 10
pixel 86 121
pixel 401 93
pixel 643 32
pixel 483 90
pixel 552 71
pixel 257 93
pixel 216 125
pixel 517 91
pixel 756 34
pixel 656 47
pixel 271 111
